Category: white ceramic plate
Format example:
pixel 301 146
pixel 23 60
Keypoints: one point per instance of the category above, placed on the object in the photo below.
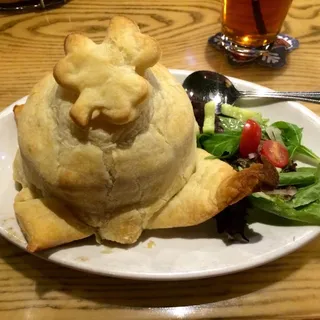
pixel 185 253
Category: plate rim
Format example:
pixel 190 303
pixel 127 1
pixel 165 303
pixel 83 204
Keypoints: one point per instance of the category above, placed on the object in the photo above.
pixel 191 275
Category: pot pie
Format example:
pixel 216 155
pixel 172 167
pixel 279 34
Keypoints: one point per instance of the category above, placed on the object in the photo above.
pixel 107 147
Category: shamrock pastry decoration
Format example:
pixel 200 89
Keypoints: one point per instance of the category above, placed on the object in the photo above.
pixel 108 76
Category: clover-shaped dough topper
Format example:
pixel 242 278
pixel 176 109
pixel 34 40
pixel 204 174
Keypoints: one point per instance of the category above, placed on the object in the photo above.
pixel 108 76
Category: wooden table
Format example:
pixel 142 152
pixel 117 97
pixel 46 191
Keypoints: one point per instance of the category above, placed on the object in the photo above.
pixel 32 289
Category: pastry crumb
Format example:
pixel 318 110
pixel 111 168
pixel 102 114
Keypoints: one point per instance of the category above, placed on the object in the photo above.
pixel 82 259
pixel 106 250
pixel 151 244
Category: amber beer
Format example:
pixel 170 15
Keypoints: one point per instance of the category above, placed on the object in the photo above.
pixel 253 23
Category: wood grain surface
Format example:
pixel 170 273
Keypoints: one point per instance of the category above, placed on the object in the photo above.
pixel 30 44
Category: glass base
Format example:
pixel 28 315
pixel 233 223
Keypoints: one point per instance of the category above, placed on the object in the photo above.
pixel 272 55
pixel 243 51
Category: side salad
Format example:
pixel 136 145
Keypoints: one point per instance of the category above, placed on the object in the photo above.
pixel 242 137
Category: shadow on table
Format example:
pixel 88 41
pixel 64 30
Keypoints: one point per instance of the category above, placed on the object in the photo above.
pixel 97 292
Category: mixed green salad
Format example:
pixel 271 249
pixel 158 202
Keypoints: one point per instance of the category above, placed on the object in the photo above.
pixel 242 137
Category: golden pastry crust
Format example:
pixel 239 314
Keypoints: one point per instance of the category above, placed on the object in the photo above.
pixel 17 110
pixel 46 222
pixel 213 187
pixel 108 76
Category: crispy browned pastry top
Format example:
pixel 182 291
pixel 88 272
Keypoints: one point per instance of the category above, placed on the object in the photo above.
pixel 108 76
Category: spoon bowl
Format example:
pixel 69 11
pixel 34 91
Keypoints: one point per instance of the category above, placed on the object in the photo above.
pixel 204 86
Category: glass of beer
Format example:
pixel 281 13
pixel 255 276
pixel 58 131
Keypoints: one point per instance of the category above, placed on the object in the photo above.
pixel 252 24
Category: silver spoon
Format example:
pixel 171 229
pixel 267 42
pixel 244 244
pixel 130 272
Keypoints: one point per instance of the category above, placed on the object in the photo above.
pixel 203 86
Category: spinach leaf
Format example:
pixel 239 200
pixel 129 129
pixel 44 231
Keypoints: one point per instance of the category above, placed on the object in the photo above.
pixel 230 124
pixel 308 194
pixel 306 155
pixel 308 214
pixel 305 207
pixel 291 135
pixel 297 178
pixel 221 145
pixel 307 169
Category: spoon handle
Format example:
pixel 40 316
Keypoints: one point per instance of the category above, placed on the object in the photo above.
pixel 297 96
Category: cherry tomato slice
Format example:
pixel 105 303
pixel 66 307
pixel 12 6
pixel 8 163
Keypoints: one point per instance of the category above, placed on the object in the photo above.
pixel 275 152
pixel 250 138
